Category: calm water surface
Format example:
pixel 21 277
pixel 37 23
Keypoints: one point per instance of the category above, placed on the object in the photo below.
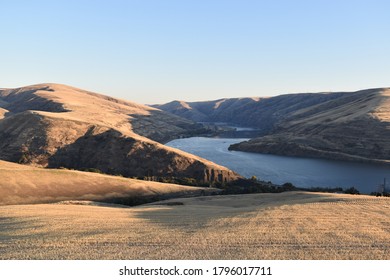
pixel 302 172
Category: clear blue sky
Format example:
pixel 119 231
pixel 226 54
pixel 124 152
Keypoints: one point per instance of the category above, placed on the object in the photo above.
pixel 158 51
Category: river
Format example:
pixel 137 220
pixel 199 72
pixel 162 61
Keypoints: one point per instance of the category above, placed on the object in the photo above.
pixel 302 172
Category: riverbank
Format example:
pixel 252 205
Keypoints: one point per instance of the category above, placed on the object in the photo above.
pixel 301 172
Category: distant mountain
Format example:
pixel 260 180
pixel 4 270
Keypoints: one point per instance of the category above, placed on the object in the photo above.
pixel 237 111
pixel 53 125
pixel 343 125
pixel 264 114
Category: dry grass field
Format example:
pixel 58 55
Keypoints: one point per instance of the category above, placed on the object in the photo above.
pixel 21 184
pixel 291 225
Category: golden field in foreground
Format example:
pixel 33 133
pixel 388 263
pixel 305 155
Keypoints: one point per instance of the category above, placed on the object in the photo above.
pixel 291 225
pixel 21 184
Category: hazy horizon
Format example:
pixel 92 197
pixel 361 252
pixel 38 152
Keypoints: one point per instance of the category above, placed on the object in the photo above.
pixel 158 51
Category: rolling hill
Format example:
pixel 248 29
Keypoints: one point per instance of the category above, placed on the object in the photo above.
pixel 51 125
pixel 21 184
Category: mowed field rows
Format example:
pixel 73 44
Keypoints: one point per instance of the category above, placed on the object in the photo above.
pixel 291 225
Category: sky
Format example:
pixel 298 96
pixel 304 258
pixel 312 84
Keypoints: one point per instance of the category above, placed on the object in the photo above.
pixel 158 51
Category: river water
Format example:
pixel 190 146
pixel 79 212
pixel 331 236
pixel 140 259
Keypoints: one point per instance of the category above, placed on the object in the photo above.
pixel 302 172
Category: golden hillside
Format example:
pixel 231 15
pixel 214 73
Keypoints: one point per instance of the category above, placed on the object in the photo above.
pixel 55 126
pixel 21 184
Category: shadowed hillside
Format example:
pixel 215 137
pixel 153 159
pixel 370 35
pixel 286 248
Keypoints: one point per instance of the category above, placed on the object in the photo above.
pixel 354 126
pixel 55 126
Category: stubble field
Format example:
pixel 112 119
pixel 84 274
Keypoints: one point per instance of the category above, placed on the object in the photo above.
pixel 292 225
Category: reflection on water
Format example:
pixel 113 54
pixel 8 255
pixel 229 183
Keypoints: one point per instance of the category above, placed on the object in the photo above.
pixel 302 172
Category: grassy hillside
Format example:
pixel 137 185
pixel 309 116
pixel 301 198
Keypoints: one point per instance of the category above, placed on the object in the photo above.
pixel 22 184
pixel 355 126
pixel 291 225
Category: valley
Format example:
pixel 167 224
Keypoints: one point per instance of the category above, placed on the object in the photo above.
pixel 87 176
pixel 178 139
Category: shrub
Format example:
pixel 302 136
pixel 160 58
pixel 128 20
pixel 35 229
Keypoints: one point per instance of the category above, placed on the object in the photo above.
pixel 94 170
pixel 352 190
pixel 288 186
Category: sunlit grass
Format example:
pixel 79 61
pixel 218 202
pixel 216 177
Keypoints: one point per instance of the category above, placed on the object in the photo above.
pixel 292 225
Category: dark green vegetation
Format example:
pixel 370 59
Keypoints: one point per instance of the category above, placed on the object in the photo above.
pixel 246 186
